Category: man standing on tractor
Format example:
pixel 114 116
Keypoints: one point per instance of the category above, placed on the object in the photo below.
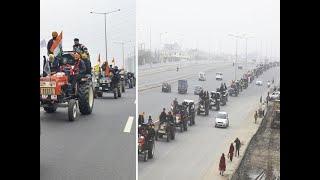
pixel 83 51
pixel 51 41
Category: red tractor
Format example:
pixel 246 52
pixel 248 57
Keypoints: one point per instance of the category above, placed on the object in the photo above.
pixel 67 89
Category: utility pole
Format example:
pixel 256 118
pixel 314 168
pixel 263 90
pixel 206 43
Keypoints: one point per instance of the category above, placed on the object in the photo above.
pixel 105 27
pixel 235 66
pixel 122 44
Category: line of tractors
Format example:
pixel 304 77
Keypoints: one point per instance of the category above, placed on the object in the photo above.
pixel 67 88
pixel 183 115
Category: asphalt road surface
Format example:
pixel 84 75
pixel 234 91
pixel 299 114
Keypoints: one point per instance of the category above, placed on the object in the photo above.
pixel 193 153
pixel 99 146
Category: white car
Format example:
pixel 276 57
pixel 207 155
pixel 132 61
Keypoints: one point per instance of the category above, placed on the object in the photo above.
pixel 275 95
pixel 222 119
pixel 219 76
pixel 202 76
pixel 259 83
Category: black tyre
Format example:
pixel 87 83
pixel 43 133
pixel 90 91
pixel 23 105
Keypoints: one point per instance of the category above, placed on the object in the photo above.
pixel 115 96
pixel 123 88
pixel 145 156
pixel 119 92
pixel 72 110
pixel 168 136
pixel 50 109
pixel 173 135
pixel 181 127
pixel 151 151
pixel 86 98
pixel 186 126
pixel 156 136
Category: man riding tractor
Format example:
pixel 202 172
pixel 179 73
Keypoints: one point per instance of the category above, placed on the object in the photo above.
pixel 70 87
pixel 165 127
pixel 83 51
pixel 146 145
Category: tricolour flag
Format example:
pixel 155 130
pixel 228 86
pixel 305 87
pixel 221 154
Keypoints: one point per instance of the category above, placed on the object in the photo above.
pixel 56 47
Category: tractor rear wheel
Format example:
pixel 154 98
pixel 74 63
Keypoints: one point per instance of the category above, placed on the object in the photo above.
pixel 86 98
pixel 72 110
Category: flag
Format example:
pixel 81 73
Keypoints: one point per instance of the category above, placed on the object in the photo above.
pixel 43 43
pixel 56 47
pixel 113 62
pixel 107 69
pixel 99 58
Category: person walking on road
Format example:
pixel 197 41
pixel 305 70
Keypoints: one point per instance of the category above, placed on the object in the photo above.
pixel 238 144
pixel 255 117
pixel 222 164
pixel 231 150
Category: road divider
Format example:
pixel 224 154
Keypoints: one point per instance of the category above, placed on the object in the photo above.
pixel 127 128
pixel 171 81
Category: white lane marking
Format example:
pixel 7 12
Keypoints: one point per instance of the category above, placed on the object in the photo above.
pixel 128 126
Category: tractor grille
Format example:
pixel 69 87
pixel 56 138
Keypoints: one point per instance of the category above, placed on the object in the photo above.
pixel 47 91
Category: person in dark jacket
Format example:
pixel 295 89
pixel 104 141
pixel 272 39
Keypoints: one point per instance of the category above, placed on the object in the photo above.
pixel 80 67
pixel 163 115
pixel 83 51
pixel 238 144
pixel 231 150
pixel 222 164
pixel 50 42
pixel 170 117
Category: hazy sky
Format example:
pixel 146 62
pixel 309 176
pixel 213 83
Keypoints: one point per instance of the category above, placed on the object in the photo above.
pixel 74 19
pixel 206 23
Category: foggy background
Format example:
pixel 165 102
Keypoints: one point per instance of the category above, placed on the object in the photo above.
pixel 74 19
pixel 205 24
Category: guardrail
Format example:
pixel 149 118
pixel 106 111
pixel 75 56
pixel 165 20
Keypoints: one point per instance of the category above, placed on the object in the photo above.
pixel 171 81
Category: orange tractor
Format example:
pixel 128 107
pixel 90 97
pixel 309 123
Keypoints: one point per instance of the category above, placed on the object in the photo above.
pixel 67 89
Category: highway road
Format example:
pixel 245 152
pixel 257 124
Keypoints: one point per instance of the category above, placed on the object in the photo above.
pixel 99 146
pixel 193 153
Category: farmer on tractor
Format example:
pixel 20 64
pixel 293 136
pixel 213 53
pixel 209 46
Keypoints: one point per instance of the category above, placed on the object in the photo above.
pixel 54 64
pixel 83 51
pixel 79 70
pixel 51 41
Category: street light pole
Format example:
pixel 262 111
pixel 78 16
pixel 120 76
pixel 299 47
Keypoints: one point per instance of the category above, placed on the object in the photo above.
pixel 235 70
pixel 235 66
pixel 122 44
pixel 105 27
pixel 105 35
